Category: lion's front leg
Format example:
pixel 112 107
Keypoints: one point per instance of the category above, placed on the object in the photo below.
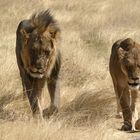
pixel 134 95
pixel 124 97
pixel 34 91
pixel 54 91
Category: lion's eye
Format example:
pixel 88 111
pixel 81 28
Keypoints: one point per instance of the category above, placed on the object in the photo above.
pixel 47 52
pixel 36 38
pixel 138 66
pixel 42 39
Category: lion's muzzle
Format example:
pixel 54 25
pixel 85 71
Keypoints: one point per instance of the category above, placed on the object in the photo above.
pixel 134 83
pixel 36 73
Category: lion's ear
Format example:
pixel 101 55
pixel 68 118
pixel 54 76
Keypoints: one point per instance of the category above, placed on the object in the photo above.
pixel 52 31
pixel 25 35
pixel 121 53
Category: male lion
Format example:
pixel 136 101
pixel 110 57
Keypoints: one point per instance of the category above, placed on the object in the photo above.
pixel 38 60
pixel 125 73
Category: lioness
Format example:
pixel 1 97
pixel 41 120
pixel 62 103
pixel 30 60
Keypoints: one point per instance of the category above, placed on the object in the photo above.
pixel 125 72
pixel 39 60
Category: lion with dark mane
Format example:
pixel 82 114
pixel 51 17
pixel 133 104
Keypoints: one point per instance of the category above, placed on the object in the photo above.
pixel 39 60
pixel 125 73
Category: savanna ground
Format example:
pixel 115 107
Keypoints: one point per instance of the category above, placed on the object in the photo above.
pixel 88 107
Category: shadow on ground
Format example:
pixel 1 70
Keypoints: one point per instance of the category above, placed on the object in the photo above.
pixel 88 108
pixel 12 108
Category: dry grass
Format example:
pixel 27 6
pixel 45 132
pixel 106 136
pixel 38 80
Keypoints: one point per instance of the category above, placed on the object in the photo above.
pixel 87 98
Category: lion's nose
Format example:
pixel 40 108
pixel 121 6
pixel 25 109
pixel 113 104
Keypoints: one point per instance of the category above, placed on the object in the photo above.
pixel 39 66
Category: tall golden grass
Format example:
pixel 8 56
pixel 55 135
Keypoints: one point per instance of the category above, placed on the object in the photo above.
pixel 88 106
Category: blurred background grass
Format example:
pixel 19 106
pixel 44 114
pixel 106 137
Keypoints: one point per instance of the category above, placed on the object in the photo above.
pixel 88 105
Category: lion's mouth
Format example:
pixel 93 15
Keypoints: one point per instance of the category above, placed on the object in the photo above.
pixel 36 74
pixel 134 85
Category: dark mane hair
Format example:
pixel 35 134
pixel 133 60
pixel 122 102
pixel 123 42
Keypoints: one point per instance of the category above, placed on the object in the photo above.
pixel 43 20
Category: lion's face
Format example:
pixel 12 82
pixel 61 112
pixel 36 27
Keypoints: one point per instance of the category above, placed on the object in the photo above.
pixel 130 65
pixel 38 50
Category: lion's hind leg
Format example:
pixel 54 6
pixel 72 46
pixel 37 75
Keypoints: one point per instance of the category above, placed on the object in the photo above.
pixel 119 110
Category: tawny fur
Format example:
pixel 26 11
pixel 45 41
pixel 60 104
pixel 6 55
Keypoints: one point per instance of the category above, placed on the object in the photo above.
pixel 125 73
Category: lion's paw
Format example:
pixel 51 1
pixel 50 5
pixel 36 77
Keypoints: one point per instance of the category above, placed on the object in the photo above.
pixel 137 124
pixel 127 126
pixel 49 111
